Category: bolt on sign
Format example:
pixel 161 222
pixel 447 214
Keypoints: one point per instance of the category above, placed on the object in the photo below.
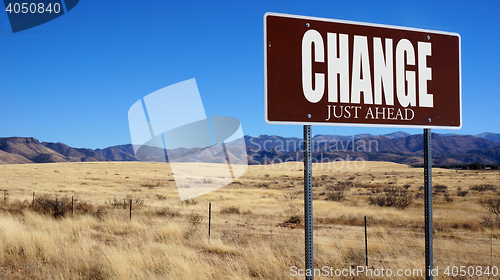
pixel 332 72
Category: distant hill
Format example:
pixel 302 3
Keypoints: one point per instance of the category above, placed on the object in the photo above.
pixel 440 144
pixel 446 150
pixel 117 153
pixel 400 147
pixel 30 149
pixel 8 158
pixel 395 135
pixel 490 153
pixel 495 137
pixel 73 154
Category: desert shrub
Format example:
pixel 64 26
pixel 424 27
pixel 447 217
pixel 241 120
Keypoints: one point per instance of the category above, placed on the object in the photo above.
pixel 440 188
pixel 375 191
pixel 14 206
pixel 194 220
pixel 82 207
pixel 392 197
pixel 316 184
pixel 354 257
pixel 264 185
pixel 190 201
pixel 344 185
pixel 447 197
pixel 490 222
pixel 137 201
pixel 116 203
pixel 469 225
pixel 462 193
pixel 55 207
pixel 230 210
pixel 341 186
pixel 483 187
pixel 161 196
pixel 350 220
pixel 374 187
pixel 99 214
pixel 168 212
pixel 60 207
pixel 492 205
pixel 125 203
pixel 295 219
pixel 338 196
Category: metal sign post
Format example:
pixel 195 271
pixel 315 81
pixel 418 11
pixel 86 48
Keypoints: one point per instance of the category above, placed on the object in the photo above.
pixel 311 76
pixel 428 203
pixel 308 207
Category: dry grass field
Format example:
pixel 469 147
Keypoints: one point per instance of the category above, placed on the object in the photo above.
pixel 256 230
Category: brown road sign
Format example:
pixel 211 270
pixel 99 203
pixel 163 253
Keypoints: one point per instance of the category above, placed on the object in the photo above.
pixel 331 72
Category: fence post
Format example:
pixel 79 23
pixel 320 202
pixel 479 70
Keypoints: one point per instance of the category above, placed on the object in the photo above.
pixel 72 204
pixel 366 245
pixel 4 194
pixel 33 204
pixel 131 209
pixel 209 218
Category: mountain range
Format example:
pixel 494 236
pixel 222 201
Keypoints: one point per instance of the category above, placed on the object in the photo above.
pixel 400 147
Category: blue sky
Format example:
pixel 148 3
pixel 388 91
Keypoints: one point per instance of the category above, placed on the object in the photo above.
pixel 73 79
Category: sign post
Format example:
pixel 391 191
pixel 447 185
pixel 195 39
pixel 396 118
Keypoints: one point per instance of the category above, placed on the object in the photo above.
pixel 428 203
pixel 342 73
pixel 308 201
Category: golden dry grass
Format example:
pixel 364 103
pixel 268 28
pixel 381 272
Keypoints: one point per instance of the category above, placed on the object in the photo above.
pixel 164 241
